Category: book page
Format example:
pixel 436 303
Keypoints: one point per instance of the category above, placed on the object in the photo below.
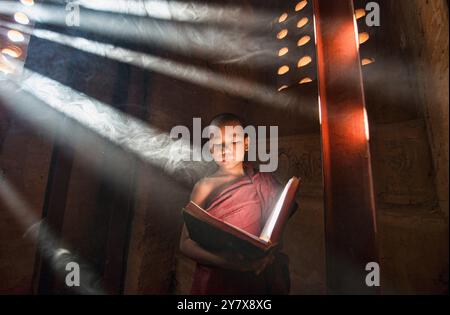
pixel 203 215
pixel 270 224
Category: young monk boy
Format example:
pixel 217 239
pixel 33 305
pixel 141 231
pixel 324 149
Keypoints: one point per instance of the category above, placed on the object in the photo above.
pixel 241 196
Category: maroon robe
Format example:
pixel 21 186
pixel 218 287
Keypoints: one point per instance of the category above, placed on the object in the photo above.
pixel 245 204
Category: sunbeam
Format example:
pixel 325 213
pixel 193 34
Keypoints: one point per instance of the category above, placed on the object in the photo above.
pixel 32 93
pixel 50 248
pixel 253 91
pixel 214 42
pixel 184 11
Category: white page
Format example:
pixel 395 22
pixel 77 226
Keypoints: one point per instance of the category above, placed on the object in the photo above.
pixel 273 218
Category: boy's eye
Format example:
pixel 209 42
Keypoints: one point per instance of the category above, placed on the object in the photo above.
pixel 219 147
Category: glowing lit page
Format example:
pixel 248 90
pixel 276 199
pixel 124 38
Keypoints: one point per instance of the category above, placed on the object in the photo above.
pixel 273 218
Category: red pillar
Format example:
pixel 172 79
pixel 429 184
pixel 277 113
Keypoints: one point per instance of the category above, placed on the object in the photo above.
pixel 350 228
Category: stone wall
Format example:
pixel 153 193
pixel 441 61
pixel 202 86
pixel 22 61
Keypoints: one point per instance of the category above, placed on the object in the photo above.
pixel 430 38
pixel 25 156
pixel 407 99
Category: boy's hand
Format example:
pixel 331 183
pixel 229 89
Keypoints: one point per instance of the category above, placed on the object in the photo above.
pixel 260 264
pixel 235 261
pixel 238 262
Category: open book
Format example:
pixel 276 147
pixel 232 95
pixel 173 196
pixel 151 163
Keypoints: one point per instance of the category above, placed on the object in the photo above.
pixel 215 234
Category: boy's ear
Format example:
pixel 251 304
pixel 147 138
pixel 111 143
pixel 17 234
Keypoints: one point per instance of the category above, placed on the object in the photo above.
pixel 246 142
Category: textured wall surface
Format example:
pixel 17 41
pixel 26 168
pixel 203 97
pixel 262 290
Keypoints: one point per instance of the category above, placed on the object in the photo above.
pixel 24 160
pixel 432 68
pixel 407 101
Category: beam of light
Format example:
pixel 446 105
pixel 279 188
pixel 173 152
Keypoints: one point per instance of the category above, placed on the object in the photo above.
pixel 301 5
pixel 5 66
pixel 27 2
pixel 283 51
pixel 366 125
pixel 12 51
pixel 21 18
pixel 44 103
pixel 363 37
pixel 319 102
pixel 315 29
pixel 304 40
pixel 367 61
pixel 206 78
pixel 194 12
pixel 304 61
pixel 359 13
pixel 282 34
pixel 47 244
pixel 355 27
pixel 305 80
pixel 283 87
pixel 229 45
pixel 302 22
pixel 9 64
pixel 283 17
pixel 15 36
pixel 283 70
pixel 9 60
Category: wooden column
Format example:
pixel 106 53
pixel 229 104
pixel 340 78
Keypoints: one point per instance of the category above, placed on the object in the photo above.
pixel 350 228
pixel 53 212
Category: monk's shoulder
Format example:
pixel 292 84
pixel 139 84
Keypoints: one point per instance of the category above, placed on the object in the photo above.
pixel 263 176
pixel 205 183
pixel 267 179
pixel 256 173
pixel 202 189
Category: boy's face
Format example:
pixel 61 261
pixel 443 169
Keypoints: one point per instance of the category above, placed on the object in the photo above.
pixel 228 145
